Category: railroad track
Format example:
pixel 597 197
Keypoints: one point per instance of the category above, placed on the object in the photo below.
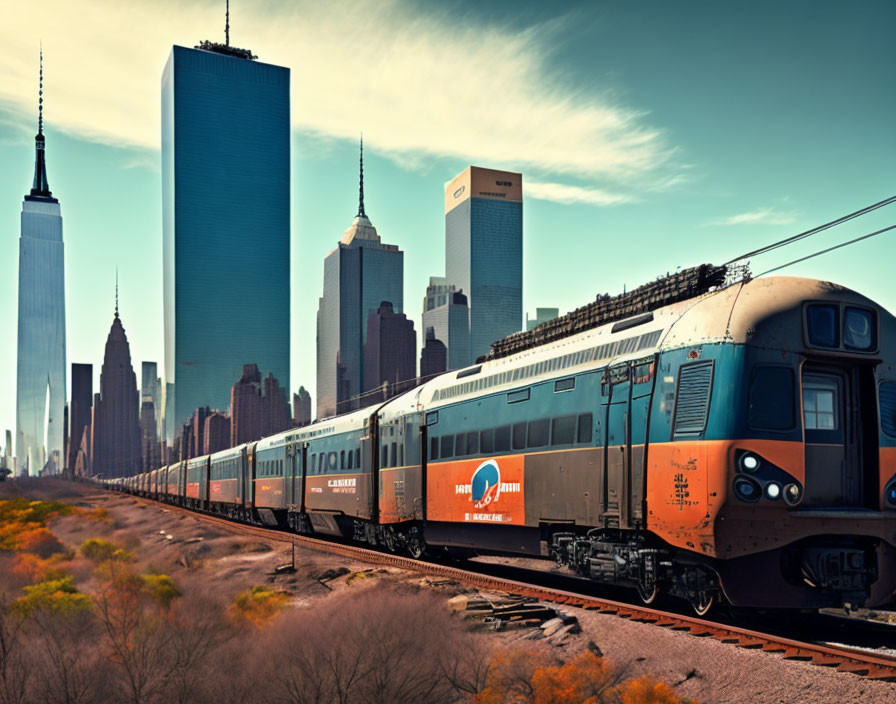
pixel 875 666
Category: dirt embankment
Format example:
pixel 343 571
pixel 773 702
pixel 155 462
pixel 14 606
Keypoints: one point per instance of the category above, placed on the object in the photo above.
pixel 191 551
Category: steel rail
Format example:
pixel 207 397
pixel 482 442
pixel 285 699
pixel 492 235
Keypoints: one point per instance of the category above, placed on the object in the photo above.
pixel 875 666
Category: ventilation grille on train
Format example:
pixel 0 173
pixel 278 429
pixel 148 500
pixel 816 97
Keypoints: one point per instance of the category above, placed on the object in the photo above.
pixel 888 407
pixel 692 400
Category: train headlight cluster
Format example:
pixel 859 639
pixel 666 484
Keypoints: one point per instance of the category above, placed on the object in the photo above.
pixel 757 479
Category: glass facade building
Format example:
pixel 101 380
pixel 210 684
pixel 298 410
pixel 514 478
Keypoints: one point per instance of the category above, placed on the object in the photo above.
pixel 445 312
pixel 484 251
pixel 359 275
pixel 40 368
pixel 226 229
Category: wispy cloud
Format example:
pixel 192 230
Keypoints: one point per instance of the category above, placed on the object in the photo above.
pixel 419 84
pixel 762 216
pixel 562 193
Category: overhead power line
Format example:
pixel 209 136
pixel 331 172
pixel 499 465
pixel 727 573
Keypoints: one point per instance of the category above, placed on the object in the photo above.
pixel 829 249
pixel 814 230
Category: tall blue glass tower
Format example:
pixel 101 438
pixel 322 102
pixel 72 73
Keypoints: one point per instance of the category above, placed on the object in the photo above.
pixel 226 232
pixel 40 369
pixel 484 251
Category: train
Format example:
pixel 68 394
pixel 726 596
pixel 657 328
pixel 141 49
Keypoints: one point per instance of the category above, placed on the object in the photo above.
pixel 738 447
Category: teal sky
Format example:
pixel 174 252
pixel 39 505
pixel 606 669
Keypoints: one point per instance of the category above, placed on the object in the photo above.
pixel 654 135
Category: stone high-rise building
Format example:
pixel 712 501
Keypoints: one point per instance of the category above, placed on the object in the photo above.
pixel 358 275
pixel 225 201
pixel 301 408
pixel 390 354
pixel 116 447
pixel 79 408
pixel 216 434
pixel 40 371
pixel 245 407
pixel 197 434
pixel 484 251
pixel 276 417
pixel 433 357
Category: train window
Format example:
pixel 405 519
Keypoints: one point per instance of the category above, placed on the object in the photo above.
pixel 586 422
pixel 384 460
pixel 519 436
pixel 564 384
pixel 447 448
pixel 888 408
pixel 351 456
pixel 401 455
pixel 460 444
pixel 821 321
pixel 518 396
pixel 858 329
pixel 358 457
pixel 342 459
pixel 643 372
pixel 473 443
pixel 539 432
pixel 394 455
pixel 772 394
pixel 487 441
pixel 433 448
pixel 432 417
pixel 563 430
pixel 820 402
pixel 502 439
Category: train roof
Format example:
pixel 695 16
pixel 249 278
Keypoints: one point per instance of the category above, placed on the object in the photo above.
pixel 765 311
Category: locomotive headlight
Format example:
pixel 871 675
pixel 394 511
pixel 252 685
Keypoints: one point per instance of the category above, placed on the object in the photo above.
pixel 891 495
pixel 747 490
pixel 792 494
pixel 773 490
pixel 749 462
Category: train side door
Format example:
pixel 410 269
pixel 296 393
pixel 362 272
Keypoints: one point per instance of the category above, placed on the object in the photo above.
pixel 617 450
pixel 642 381
pixel 831 438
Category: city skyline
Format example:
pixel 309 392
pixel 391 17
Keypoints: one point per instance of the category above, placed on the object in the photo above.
pixel 757 150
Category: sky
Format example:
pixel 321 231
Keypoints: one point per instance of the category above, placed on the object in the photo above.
pixel 650 135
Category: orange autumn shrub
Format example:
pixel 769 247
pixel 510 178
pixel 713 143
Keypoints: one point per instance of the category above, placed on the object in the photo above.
pixel 583 680
pixel 523 677
pixel 645 691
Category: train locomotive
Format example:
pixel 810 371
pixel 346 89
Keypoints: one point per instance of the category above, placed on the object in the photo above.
pixel 736 447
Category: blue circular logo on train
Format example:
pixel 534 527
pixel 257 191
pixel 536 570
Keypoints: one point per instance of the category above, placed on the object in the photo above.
pixel 486 484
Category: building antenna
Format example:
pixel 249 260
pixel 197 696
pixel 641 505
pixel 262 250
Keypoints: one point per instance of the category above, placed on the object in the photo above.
pixel 116 292
pixel 227 23
pixel 40 93
pixel 361 212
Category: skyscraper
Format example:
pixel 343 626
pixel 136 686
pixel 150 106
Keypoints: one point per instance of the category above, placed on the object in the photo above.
pixel 484 251
pixel 446 313
pixel 433 356
pixel 542 315
pixel 115 450
pixel 40 373
pixel 226 203
pixel 301 408
pixel 390 354
pixel 79 409
pixel 359 274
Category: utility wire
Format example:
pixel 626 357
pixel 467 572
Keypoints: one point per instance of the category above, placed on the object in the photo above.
pixel 814 230
pixel 829 249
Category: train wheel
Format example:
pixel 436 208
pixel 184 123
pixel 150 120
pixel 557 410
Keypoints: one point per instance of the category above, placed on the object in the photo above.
pixel 416 546
pixel 703 601
pixel 648 595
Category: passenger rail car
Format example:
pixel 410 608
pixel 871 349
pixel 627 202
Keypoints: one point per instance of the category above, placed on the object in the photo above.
pixel 739 446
